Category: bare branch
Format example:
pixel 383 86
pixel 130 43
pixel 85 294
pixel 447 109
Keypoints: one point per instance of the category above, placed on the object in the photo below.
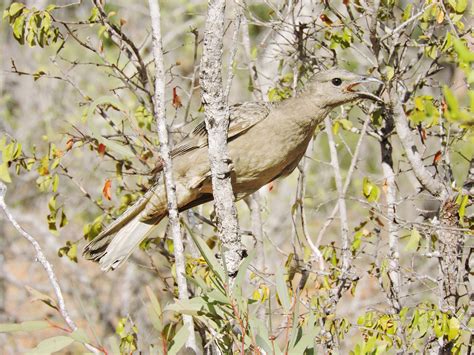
pixel 173 215
pixel 435 187
pixel 40 257
pixel 341 201
pixel 53 280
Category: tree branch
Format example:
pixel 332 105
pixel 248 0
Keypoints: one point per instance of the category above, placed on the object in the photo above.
pixel 53 280
pixel 433 186
pixel 341 201
pixel 173 215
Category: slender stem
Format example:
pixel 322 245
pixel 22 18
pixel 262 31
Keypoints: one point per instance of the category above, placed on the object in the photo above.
pixel 341 200
pixel 434 186
pixel 41 258
pixel 347 182
pixel 173 215
pixel 46 265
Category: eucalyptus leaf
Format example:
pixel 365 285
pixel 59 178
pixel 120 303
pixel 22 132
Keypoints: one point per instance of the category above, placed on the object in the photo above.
pixel 24 326
pixel 179 340
pixel 282 290
pixel 51 345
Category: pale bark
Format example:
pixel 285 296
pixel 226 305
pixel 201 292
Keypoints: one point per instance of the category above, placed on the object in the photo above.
pixel 217 122
pixel 450 243
pixel 391 199
pixel 425 178
pixel 394 274
pixel 341 199
pixel 173 215
pixel 41 258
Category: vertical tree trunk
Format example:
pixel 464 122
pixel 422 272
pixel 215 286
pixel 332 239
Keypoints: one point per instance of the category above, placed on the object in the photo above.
pixel 217 122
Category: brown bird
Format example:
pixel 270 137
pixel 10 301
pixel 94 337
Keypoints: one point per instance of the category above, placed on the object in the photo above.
pixel 265 141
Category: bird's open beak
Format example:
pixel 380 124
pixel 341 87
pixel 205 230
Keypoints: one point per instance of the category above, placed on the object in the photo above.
pixel 355 85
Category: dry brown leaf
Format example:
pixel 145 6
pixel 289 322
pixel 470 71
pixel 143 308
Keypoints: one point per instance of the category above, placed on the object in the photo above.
pixel 106 190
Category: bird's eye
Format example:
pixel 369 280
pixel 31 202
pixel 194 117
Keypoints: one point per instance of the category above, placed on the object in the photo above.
pixel 336 81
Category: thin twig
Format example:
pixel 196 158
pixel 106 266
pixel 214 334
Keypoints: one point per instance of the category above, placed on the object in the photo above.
pixel 355 160
pixel 173 215
pixel 46 265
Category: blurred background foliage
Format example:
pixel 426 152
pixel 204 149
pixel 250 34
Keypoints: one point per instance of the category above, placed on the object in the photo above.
pixel 79 145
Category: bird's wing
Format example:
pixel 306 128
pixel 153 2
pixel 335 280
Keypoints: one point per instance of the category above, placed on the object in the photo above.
pixel 242 117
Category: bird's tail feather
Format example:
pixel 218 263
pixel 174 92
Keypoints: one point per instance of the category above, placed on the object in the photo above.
pixel 111 251
pixel 120 237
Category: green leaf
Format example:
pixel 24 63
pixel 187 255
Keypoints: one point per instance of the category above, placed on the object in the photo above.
pixel 18 28
pixel 24 326
pixel 243 269
pixel 70 250
pixel 55 184
pixel 282 290
pixel 46 22
pixel 80 336
pixel 113 345
pixel 461 6
pixel 454 328
pixel 51 345
pixel 465 55
pixel 217 295
pixel 15 8
pixel 4 174
pixel 304 343
pixel 179 340
pixel 452 102
pixel 208 255
pixel 156 308
pixel 191 306
pixel 63 222
pixel 407 12
pixel 39 296
pixel 462 207
pixel 370 190
pixel 266 345
pixel 389 72
pixel 414 241
pixel 51 7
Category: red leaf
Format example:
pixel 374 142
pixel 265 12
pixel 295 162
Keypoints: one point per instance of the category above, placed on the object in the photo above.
pixel 346 2
pixel 106 190
pixel 444 106
pixel 69 144
pixel 101 149
pixel 437 157
pixel 423 135
pixel 176 99
pixel 326 19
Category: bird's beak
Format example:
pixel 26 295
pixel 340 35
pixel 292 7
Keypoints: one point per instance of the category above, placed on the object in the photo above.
pixel 354 86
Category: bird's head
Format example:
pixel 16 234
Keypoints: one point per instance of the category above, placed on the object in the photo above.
pixel 335 87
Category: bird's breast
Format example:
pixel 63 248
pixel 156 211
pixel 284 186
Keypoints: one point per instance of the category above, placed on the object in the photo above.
pixel 264 152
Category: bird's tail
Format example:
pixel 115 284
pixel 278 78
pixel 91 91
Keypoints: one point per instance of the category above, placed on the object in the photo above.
pixel 118 240
pixel 111 251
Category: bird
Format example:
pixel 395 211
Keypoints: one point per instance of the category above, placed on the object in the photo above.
pixel 266 141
